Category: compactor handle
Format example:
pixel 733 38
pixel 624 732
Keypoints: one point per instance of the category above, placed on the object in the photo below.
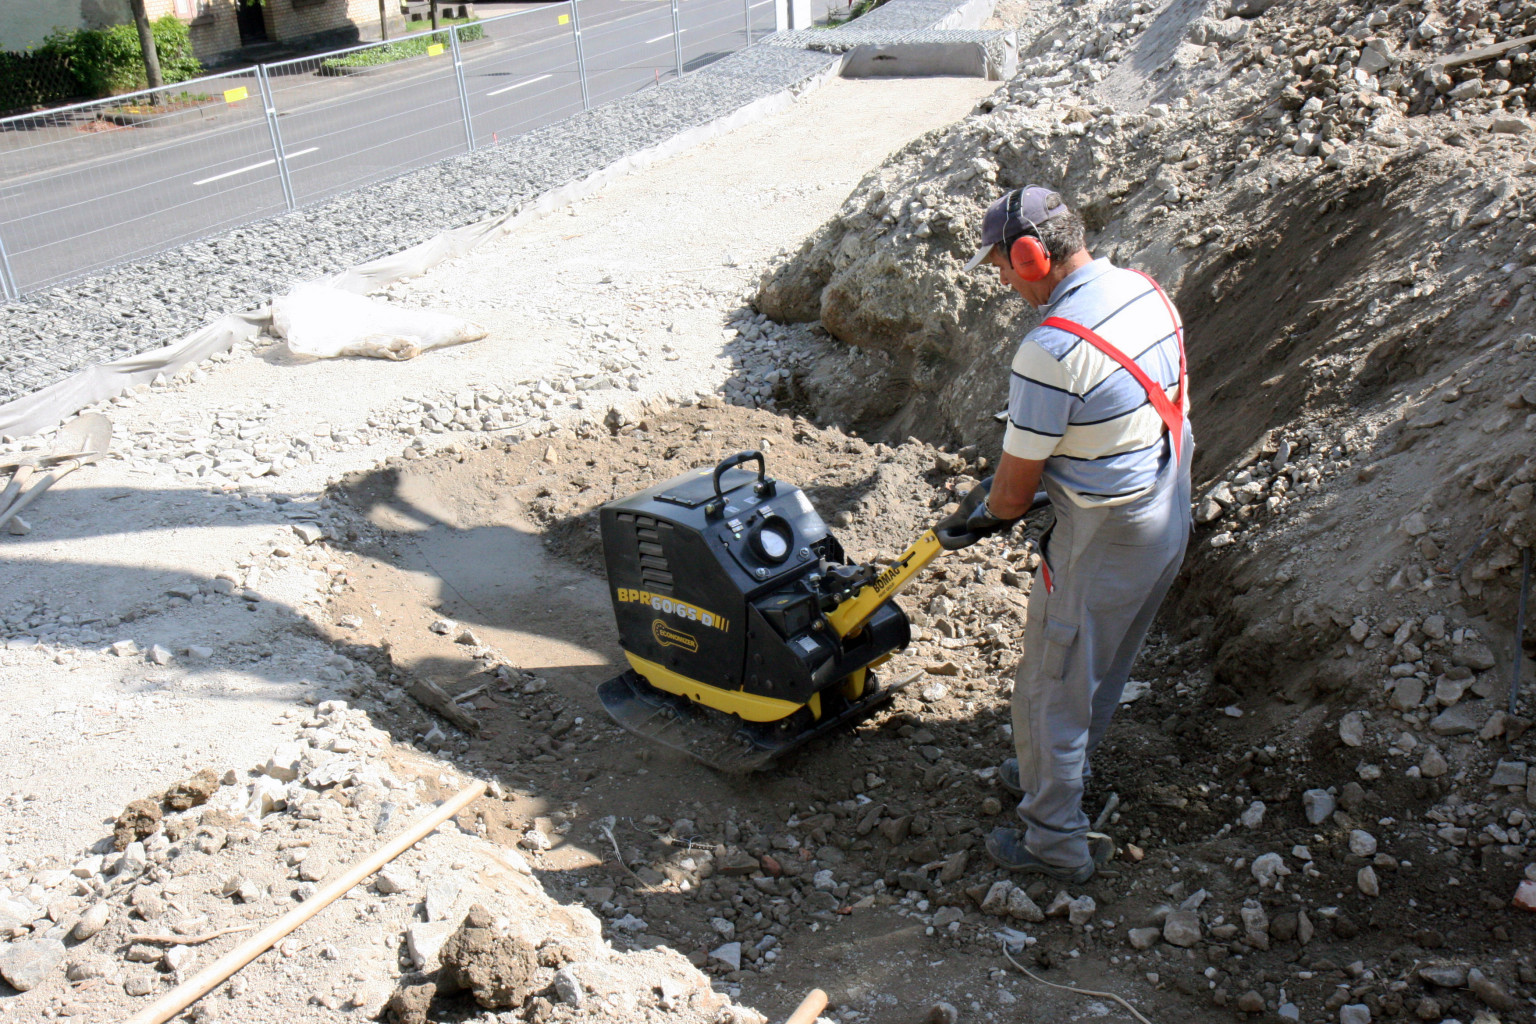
pixel 763 487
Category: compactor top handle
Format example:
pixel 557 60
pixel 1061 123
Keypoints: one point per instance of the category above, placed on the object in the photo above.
pixel 763 488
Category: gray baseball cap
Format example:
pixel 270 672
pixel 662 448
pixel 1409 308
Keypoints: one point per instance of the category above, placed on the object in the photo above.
pixel 1016 214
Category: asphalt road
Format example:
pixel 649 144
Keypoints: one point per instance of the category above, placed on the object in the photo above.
pixel 73 200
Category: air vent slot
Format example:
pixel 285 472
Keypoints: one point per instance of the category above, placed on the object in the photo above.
pixel 654 570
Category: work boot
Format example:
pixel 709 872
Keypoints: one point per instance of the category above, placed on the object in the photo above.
pixel 1008 776
pixel 1006 847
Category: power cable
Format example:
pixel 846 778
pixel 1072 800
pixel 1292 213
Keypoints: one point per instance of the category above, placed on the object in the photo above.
pixel 1068 988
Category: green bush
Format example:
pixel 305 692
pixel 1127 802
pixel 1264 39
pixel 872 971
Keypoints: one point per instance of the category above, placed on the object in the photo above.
pixel 109 60
pixel 406 49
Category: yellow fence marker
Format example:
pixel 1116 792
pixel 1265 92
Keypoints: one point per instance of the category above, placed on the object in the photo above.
pixel 565 19
pixel 235 95
pixel 434 50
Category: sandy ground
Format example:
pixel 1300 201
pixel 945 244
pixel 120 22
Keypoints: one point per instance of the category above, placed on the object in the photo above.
pixel 129 550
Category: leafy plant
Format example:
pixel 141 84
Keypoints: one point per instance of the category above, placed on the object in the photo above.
pixel 106 61
pixel 389 53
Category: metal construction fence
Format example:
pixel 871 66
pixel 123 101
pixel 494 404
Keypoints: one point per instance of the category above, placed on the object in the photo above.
pixel 93 185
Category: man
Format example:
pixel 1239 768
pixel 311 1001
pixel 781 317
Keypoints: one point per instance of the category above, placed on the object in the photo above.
pixel 1096 409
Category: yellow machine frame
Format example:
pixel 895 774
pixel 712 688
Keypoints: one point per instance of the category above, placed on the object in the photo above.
pixel 846 619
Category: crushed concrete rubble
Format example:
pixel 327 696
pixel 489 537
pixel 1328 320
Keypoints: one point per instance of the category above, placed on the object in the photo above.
pixel 121 926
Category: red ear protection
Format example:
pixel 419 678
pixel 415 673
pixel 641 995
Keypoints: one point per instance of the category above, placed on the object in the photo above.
pixel 1029 258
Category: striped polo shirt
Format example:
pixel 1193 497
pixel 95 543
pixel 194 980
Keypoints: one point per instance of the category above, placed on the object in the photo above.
pixel 1078 409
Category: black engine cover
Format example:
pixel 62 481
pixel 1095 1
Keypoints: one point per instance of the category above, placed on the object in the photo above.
pixel 724 592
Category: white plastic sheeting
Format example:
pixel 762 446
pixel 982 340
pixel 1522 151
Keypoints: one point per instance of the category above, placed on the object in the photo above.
pixel 324 322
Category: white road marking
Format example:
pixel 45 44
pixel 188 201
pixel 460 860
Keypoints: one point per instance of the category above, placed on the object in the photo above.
pixel 519 85
pixel 253 167
pixel 661 37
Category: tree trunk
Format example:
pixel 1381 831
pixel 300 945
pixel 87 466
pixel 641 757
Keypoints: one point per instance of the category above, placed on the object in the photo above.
pixel 433 5
pixel 147 44
pixel 384 18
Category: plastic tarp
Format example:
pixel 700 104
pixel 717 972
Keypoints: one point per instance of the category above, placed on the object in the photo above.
pixel 324 322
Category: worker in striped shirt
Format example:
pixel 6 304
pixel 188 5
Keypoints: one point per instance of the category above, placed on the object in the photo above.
pixel 1097 414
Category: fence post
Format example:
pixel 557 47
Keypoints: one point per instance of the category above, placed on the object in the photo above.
pixel 581 57
pixel 7 279
pixel 265 88
pixel 458 76
pixel 677 38
pixel 746 7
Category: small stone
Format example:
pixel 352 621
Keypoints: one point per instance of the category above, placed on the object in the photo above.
pixel 1433 765
pixel 1355 1013
pixel 728 954
pixel 1443 975
pixel 1509 773
pixel 425 939
pixel 1253 815
pixel 568 988
pixel 1475 656
pixel 1268 868
pixel 91 922
pixel 1144 938
pixel 309 533
pixel 1319 805
pixel 1490 991
pixel 1449 691
pixel 942 1013
pixel 1081 910
pixel 1525 895
pixel 1407 694
pixel 285 762
pixel 1182 928
pixel 18 527
pixel 1255 926
pixel 1250 1002
pixel 1352 729
pixel 393 880
pixel 1510 126
pixel 159 655
pixel 1367 881
pixel 1459 719
pixel 1362 843
pixel 996 900
pixel 138 985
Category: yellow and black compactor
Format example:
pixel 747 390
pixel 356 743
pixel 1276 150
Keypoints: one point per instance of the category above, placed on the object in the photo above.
pixel 747 630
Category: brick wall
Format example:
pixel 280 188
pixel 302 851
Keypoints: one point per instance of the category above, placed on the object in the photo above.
pixel 296 19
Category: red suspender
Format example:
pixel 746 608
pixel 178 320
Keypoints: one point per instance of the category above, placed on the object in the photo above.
pixel 1172 415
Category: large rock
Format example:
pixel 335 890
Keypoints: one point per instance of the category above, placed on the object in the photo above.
pixel 496 968
pixel 24 963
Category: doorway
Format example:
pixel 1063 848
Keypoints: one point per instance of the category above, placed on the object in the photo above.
pixel 253 22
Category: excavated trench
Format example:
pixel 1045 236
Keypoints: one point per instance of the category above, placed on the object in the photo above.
pixel 1303 333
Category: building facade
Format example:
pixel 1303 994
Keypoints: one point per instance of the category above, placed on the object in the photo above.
pixel 219 28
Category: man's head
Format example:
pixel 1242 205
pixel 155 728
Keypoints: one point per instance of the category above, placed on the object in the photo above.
pixel 1033 239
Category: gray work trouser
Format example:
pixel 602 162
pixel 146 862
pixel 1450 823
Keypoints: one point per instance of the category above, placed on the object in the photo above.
pixel 1109 570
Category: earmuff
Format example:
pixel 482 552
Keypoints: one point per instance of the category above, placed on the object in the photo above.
pixel 1026 254
pixel 1029 258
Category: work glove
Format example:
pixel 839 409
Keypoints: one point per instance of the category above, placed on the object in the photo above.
pixel 972 520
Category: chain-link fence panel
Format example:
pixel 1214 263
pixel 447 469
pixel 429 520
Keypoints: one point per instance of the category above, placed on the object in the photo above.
pixel 94 184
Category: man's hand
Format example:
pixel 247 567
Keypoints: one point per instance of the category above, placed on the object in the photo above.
pixel 973 520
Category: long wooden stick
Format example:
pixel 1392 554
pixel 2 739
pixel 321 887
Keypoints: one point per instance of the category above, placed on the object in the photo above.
pixel 809 1009
pixel 205 980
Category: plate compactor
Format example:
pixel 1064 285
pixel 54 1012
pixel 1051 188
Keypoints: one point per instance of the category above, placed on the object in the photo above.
pixel 748 632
